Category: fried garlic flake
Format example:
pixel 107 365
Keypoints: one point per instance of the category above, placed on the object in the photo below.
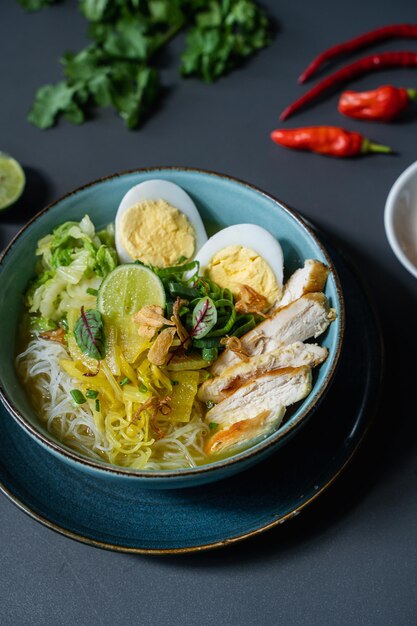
pixel 250 301
pixel 182 332
pixel 155 406
pixel 235 345
pixel 150 320
pixel 158 353
pixel 57 335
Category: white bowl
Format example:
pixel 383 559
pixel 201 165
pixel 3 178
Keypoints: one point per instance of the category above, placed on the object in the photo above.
pixel 401 218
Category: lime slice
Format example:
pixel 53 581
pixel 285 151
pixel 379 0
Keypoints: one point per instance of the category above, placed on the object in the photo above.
pixel 12 180
pixel 122 293
pixel 126 290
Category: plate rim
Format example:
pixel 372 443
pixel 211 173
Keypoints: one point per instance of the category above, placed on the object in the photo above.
pixel 371 413
pixel 259 449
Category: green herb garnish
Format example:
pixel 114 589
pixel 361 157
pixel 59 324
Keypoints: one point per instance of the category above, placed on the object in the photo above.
pixel 213 425
pixel 124 381
pixel 97 405
pixel 204 318
pixel 115 69
pixel 175 382
pixel 92 394
pixel 89 334
pixel 91 291
pixel 142 388
pixel 78 396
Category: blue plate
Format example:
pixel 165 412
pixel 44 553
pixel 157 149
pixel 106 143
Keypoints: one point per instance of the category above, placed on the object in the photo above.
pixel 83 507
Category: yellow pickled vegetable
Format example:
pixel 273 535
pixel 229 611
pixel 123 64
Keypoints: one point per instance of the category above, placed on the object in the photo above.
pixel 183 392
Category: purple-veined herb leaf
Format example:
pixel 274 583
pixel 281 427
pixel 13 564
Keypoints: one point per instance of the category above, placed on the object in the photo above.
pixel 204 318
pixel 89 334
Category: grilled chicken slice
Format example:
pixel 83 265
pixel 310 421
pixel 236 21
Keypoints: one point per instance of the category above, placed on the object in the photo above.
pixel 263 393
pixel 241 432
pixel 309 316
pixel 308 279
pixel 294 355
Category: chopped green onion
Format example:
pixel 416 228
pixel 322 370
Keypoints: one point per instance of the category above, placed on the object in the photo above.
pixel 209 404
pixel 97 405
pixel 181 259
pixel 124 381
pixel 244 323
pixel 92 292
pixel 209 354
pixel 142 388
pixel 77 396
pixel 213 425
pixel 178 289
pixel 64 323
pixel 175 382
pixel 177 269
pixel 91 393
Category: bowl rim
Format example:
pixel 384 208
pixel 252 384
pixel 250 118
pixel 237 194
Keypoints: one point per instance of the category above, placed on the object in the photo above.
pixel 389 215
pixel 258 449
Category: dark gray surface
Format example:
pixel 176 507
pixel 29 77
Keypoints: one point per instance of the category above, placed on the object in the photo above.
pixel 350 559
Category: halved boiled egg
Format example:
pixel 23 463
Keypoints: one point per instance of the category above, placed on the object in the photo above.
pixel 244 254
pixel 158 223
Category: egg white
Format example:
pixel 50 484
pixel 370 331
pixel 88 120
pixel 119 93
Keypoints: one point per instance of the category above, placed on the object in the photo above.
pixel 158 189
pixel 248 236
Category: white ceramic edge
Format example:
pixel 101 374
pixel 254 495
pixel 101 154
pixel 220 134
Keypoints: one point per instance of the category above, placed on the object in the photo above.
pixel 389 213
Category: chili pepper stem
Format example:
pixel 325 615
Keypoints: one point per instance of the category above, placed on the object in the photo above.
pixel 412 94
pixel 369 146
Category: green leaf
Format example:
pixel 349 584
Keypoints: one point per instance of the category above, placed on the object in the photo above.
pixel 133 100
pixel 35 5
pixel 50 100
pixel 204 318
pixel 74 114
pixel 94 10
pixel 225 33
pixel 89 334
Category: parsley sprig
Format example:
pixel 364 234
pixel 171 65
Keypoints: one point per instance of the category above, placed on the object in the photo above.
pixel 118 68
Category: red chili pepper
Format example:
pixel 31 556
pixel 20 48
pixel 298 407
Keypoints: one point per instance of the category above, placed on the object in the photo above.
pixel 396 31
pixel 384 103
pixel 330 140
pixel 362 66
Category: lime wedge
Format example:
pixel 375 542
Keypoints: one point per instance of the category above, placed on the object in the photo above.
pixel 12 180
pixel 122 293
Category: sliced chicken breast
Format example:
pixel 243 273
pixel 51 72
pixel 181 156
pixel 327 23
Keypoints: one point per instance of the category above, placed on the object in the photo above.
pixel 263 393
pixel 244 431
pixel 308 279
pixel 295 355
pixel 309 316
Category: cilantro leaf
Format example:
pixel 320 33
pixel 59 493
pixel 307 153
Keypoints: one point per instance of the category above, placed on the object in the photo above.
pixel 225 33
pixel 114 70
pixel 35 5
pixel 94 10
pixel 133 99
pixel 50 100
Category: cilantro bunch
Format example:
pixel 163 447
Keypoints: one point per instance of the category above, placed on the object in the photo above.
pixel 117 69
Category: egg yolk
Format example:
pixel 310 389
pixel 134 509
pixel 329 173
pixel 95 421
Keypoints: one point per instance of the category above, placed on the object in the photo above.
pixel 235 266
pixel 157 233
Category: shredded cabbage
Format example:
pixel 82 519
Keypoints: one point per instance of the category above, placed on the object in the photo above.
pixel 73 258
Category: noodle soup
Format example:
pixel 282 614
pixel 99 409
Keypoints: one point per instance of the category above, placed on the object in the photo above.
pixel 170 365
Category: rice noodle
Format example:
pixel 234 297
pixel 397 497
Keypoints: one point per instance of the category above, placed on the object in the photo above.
pixel 49 388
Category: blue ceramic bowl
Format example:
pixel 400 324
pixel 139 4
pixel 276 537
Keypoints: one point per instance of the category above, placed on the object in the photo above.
pixel 222 201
